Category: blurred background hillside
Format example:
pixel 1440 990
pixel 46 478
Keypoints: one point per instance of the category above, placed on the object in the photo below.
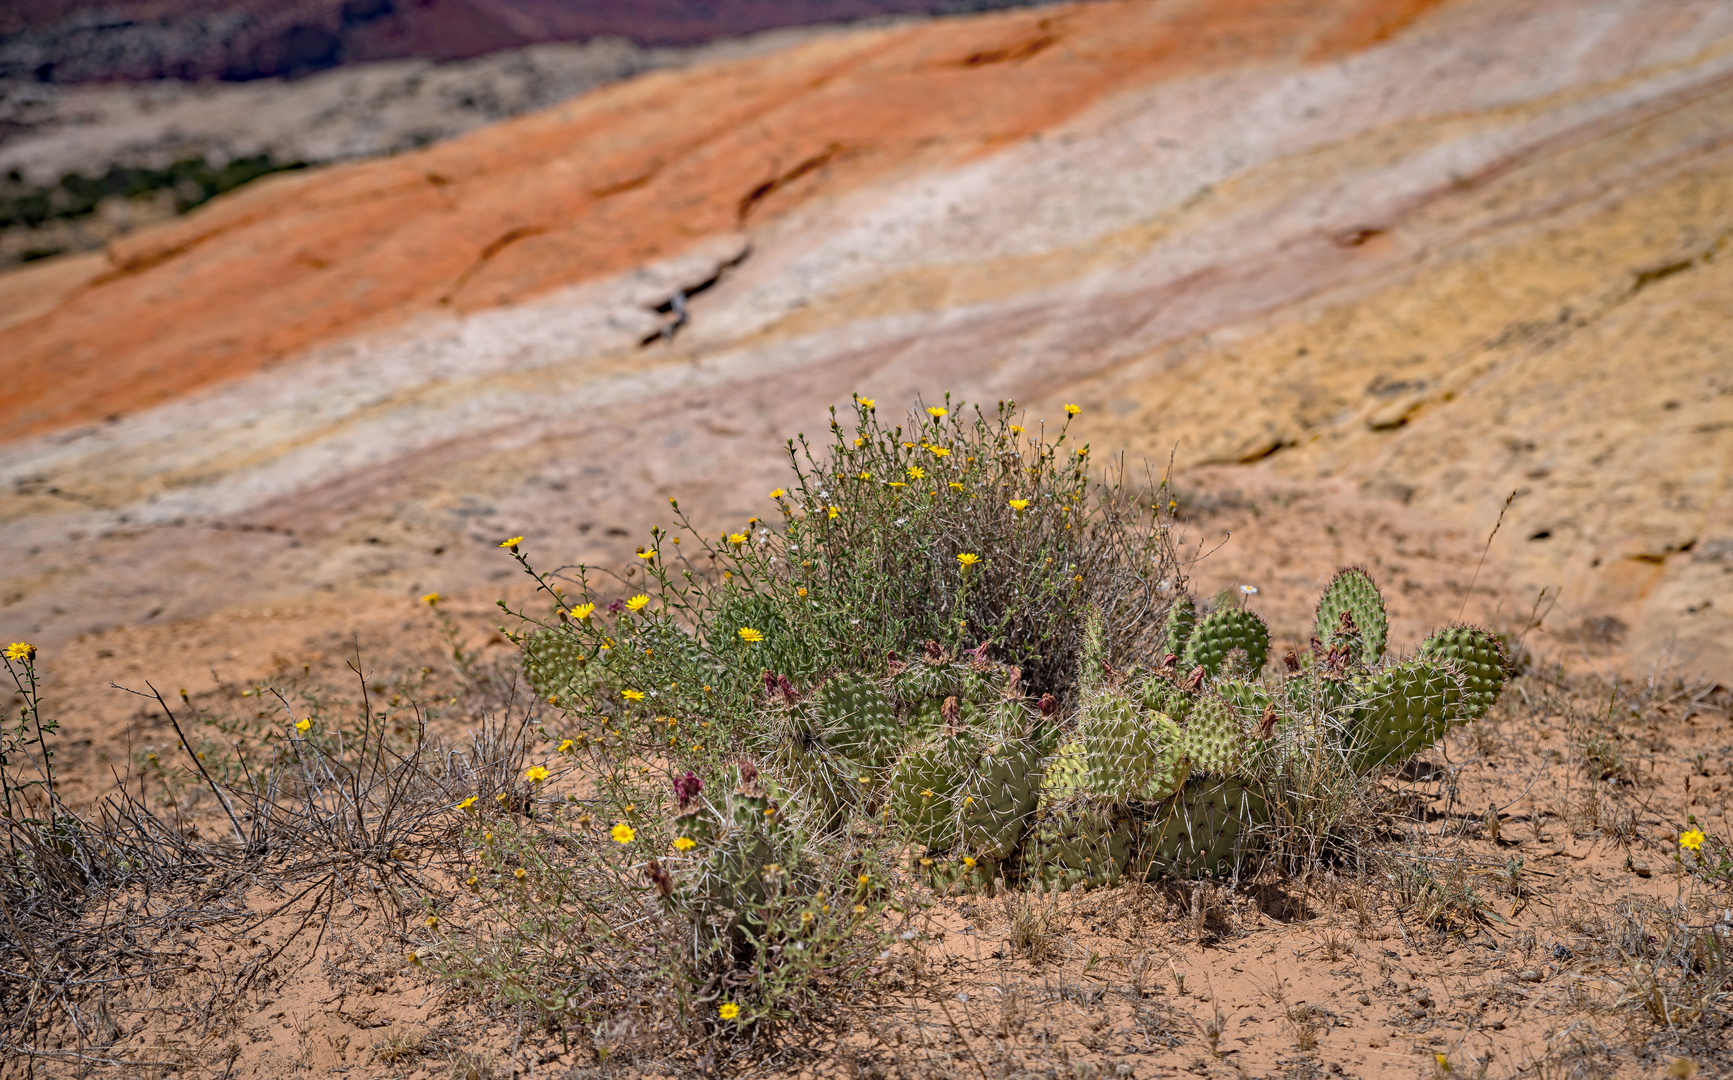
pixel 306 306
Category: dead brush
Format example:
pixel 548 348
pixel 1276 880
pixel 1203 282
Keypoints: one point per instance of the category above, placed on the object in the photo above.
pixel 1675 972
pixel 1032 927
pixel 1446 902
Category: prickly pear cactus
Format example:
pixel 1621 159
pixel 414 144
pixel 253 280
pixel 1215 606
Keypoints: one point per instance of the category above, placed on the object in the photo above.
pixel 1129 751
pixel 996 799
pixel 828 781
pixel 741 847
pixel 1316 694
pixel 1215 735
pixel 1222 630
pixel 1160 693
pixel 856 716
pixel 924 785
pixel 1352 590
pixel 554 664
pixel 1067 774
pixel 1478 656
pixel 1404 709
pixel 1177 628
pixel 1078 842
pixel 1207 829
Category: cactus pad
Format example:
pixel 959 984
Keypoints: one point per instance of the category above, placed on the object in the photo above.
pixel 1207 829
pixel 1478 656
pixel 1353 590
pixel 554 664
pixel 996 799
pixel 1177 627
pixel 1224 629
pixel 1403 710
pixel 1131 752
pixel 1215 735
pixel 1078 843
pixel 855 714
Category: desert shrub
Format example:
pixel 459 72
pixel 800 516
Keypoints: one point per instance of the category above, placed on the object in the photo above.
pixel 959 528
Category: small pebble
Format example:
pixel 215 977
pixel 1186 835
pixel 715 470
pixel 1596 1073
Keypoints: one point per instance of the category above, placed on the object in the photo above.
pixel 1640 868
pixel 1530 975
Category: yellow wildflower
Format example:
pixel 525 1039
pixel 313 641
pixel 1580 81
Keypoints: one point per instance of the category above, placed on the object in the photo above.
pixel 860 441
pixel 747 633
pixel 969 862
pixel 728 1011
pixel 866 402
pixel 935 412
pixel 863 475
pixel 535 774
pixel 632 695
pixel 684 843
pixel 832 512
pixel 801 592
pixel 1016 429
pixel 432 922
pixel 956 486
pixel 917 473
pixel 432 598
pixel 926 861
pixel 1072 410
pixel 623 833
pixel 637 603
pixel 642 554
pixel 519 873
pixel 938 451
pixel 778 493
pixel 414 958
pixel 512 543
pixel 1019 504
pixel 583 611
pixel 304 725
pixel 860 909
pixel 968 559
pixel 1693 840
pixel 467 804
pixel 866 879
pixel 737 539
pixel 564 746
pixel 897 484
